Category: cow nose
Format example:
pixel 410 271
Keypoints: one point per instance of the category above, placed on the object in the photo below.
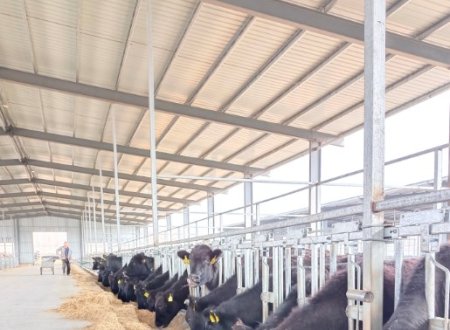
pixel 195 278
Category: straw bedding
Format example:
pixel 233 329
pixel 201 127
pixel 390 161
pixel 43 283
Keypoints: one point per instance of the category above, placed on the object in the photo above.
pixel 105 312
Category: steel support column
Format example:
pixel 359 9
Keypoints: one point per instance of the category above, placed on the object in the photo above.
pixel 102 210
pixel 169 226
pixel 152 116
pixel 248 202
pixel 90 227
pixel 374 117
pixel 315 166
pixel 94 213
pixel 186 222
pixel 116 176
pixel 210 210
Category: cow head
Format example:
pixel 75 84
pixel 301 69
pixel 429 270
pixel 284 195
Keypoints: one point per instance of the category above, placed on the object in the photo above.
pixel 218 321
pixel 202 262
pixel 167 306
pixel 194 315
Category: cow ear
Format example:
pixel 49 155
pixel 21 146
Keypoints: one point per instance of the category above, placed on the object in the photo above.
pixel 184 255
pixel 215 255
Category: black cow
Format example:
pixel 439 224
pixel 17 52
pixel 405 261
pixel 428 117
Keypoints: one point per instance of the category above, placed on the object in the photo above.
pixel 412 310
pixel 140 266
pixel 244 308
pixel 169 302
pixel 113 279
pixel 144 289
pixel 194 313
pixel 151 300
pixel 98 262
pixel 203 265
pixel 113 264
pixel 326 310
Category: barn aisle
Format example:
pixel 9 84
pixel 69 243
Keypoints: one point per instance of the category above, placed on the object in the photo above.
pixel 28 300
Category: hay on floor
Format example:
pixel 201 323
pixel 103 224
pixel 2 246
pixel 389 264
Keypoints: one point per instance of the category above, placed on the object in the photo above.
pixel 104 311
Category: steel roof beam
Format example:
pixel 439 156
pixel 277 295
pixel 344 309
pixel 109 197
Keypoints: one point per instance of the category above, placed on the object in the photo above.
pixel 90 171
pixel 91 144
pixel 341 28
pixel 98 209
pixel 113 96
pixel 89 188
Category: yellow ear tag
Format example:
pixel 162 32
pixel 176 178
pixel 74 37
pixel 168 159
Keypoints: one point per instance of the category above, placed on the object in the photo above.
pixel 170 298
pixel 186 260
pixel 146 294
pixel 213 317
pixel 213 260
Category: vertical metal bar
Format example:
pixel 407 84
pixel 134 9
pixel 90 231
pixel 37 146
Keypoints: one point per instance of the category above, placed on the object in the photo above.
pixel 351 286
pixel 314 177
pixel 90 227
pixel 210 206
pixel 275 273
pixel 398 248
pixel 321 266
pixel 248 204
pixel 374 117
pixel 17 239
pixel 116 177
pixel 152 116
pixel 94 212
pixel 280 288
pixel 186 222
pixel 102 209
pixel 239 274
pixel 169 226
pixel 437 185
pixel 265 287
pixel 430 274
pixel 301 281
pixel 256 257
pixel 314 270
pixel 83 237
pixel 288 271
pixel 333 258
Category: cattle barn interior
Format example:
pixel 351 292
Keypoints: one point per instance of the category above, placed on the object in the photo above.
pixel 124 122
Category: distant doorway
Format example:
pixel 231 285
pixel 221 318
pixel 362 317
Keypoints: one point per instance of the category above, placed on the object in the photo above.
pixel 46 243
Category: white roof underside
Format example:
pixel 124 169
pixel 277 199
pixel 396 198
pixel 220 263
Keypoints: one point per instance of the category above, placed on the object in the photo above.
pixel 207 56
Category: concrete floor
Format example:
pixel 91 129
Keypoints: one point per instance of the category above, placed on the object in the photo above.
pixel 27 299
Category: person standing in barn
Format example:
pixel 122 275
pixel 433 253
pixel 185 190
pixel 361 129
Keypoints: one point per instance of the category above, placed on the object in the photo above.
pixel 65 253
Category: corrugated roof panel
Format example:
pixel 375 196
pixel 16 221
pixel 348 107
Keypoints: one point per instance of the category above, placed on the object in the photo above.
pixel 173 169
pixel 144 170
pixel 314 4
pixel 258 44
pixel 26 117
pixel 135 186
pixel 128 163
pixel 13 8
pixel 228 147
pixel 142 135
pixel 418 16
pixel 81 178
pixel 126 121
pixel 281 155
pixel 36 149
pixel 15 50
pixel 84 156
pixel 133 77
pixel 209 137
pixel 352 9
pixel 441 37
pixel 7 150
pixel 20 94
pixel 63 12
pixel 111 21
pixel 90 117
pixel 179 134
pixel 61 153
pixel 348 64
pixel 204 42
pixel 261 147
pixel 99 61
pixel 283 74
pixel 54 49
pixel 43 173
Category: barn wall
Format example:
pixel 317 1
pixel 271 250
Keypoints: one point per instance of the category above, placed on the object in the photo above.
pixel 8 248
pixel 47 224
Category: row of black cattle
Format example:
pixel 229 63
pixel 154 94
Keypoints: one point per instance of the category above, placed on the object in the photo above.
pixel 223 309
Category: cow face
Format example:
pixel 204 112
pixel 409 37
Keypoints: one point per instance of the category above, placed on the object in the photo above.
pixel 139 265
pixel 167 306
pixel 142 294
pixel 202 262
